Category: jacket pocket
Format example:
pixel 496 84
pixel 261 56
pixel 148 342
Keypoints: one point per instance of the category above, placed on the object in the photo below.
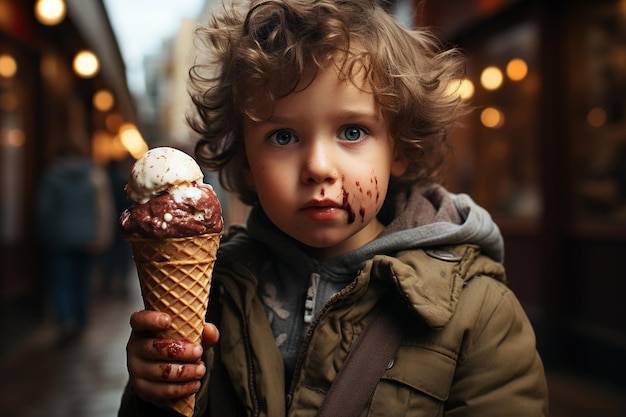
pixel 417 383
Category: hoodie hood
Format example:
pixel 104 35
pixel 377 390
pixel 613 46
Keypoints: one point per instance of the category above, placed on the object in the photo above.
pixel 423 217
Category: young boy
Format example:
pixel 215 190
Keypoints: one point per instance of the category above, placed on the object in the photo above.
pixel 331 120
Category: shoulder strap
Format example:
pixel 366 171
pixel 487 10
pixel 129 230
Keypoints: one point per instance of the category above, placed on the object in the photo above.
pixel 364 366
pixel 223 401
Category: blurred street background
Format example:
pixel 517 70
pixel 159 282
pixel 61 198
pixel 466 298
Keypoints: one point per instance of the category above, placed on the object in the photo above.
pixel 544 151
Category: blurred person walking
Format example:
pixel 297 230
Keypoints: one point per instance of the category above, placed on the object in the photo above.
pixel 75 215
pixel 117 261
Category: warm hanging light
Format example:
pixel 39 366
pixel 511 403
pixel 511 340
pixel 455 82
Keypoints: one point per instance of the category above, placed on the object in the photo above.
pixel 463 88
pixel 466 89
pixel 492 118
pixel 132 140
pixel 8 66
pixel 517 69
pixel 103 100
pixel 491 78
pixel 86 64
pixel 50 12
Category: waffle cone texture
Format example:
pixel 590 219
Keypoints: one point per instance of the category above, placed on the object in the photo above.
pixel 175 278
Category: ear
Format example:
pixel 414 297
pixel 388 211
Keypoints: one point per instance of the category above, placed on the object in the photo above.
pixel 399 164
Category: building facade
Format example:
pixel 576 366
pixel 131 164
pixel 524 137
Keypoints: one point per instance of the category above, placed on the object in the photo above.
pixel 43 103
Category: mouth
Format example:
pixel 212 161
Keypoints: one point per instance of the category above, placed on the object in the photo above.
pixel 322 210
pixel 321 204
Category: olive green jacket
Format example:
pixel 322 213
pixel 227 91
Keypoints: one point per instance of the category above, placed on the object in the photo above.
pixel 469 348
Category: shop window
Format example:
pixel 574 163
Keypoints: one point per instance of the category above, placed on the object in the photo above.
pixel 597 113
pixel 497 154
pixel 12 138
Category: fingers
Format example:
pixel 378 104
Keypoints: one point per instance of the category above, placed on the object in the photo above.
pixel 159 392
pixel 210 335
pixel 149 321
pixel 164 369
pixel 161 369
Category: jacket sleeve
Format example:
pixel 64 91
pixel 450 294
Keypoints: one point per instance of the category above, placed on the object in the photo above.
pixel 499 372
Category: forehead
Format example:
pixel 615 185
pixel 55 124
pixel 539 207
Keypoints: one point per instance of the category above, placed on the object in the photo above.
pixel 335 76
pixel 332 84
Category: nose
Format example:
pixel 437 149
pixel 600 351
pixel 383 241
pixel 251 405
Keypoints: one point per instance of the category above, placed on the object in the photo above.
pixel 320 163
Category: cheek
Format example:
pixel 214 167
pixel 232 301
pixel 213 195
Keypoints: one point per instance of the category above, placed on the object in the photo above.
pixel 271 184
pixel 364 197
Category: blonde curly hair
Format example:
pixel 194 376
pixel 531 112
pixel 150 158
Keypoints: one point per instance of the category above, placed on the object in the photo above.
pixel 257 54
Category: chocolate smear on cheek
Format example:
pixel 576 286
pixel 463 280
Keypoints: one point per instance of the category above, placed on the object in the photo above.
pixel 362 209
pixel 347 206
pixel 374 180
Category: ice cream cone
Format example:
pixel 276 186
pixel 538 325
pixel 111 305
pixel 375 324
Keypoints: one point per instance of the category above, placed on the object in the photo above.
pixel 175 278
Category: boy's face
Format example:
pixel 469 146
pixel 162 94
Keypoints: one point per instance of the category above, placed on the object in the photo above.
pixel 321 165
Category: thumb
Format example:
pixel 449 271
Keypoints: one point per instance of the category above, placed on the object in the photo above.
pixel 210 335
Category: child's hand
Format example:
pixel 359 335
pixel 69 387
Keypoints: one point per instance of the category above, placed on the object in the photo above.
pixel 164 369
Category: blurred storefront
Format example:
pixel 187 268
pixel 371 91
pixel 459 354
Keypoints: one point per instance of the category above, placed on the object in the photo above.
pixel 47 98
pixel 545 152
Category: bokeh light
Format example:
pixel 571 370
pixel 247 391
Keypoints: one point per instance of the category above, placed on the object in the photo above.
pixel 8 66
pixel 86 64
pixel 491 78
pixel 492 118
pixel 517 69
pixel 103 100
pixel 50 12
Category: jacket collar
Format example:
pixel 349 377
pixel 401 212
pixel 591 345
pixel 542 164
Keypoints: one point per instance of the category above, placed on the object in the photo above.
pixel 431 281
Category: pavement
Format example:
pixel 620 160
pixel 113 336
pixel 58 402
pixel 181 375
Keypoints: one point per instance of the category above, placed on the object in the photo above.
pixel 86 377
pixel 80 378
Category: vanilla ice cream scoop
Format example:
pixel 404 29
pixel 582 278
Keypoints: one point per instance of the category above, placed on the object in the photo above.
pixel 169 198
pixel 159 170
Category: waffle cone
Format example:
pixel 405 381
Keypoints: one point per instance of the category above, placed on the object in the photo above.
pixel 175 278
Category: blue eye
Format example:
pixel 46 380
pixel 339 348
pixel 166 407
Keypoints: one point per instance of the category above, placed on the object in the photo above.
pixel 352 133
pixel 282 137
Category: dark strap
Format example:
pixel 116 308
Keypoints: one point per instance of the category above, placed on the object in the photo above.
pixel 364 366
pixel 223 401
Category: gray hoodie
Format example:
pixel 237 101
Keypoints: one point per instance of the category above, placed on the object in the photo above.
pixel 294 287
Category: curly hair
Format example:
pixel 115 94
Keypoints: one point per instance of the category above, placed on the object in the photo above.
pixel 259 54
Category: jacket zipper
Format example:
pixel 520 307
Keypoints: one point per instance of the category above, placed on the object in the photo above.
pixel 341 295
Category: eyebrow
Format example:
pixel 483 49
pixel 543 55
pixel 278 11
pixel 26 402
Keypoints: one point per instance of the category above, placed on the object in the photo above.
pixel 347 114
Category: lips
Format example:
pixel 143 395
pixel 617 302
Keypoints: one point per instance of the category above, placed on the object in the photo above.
pixel 322 209
pixel 321 204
